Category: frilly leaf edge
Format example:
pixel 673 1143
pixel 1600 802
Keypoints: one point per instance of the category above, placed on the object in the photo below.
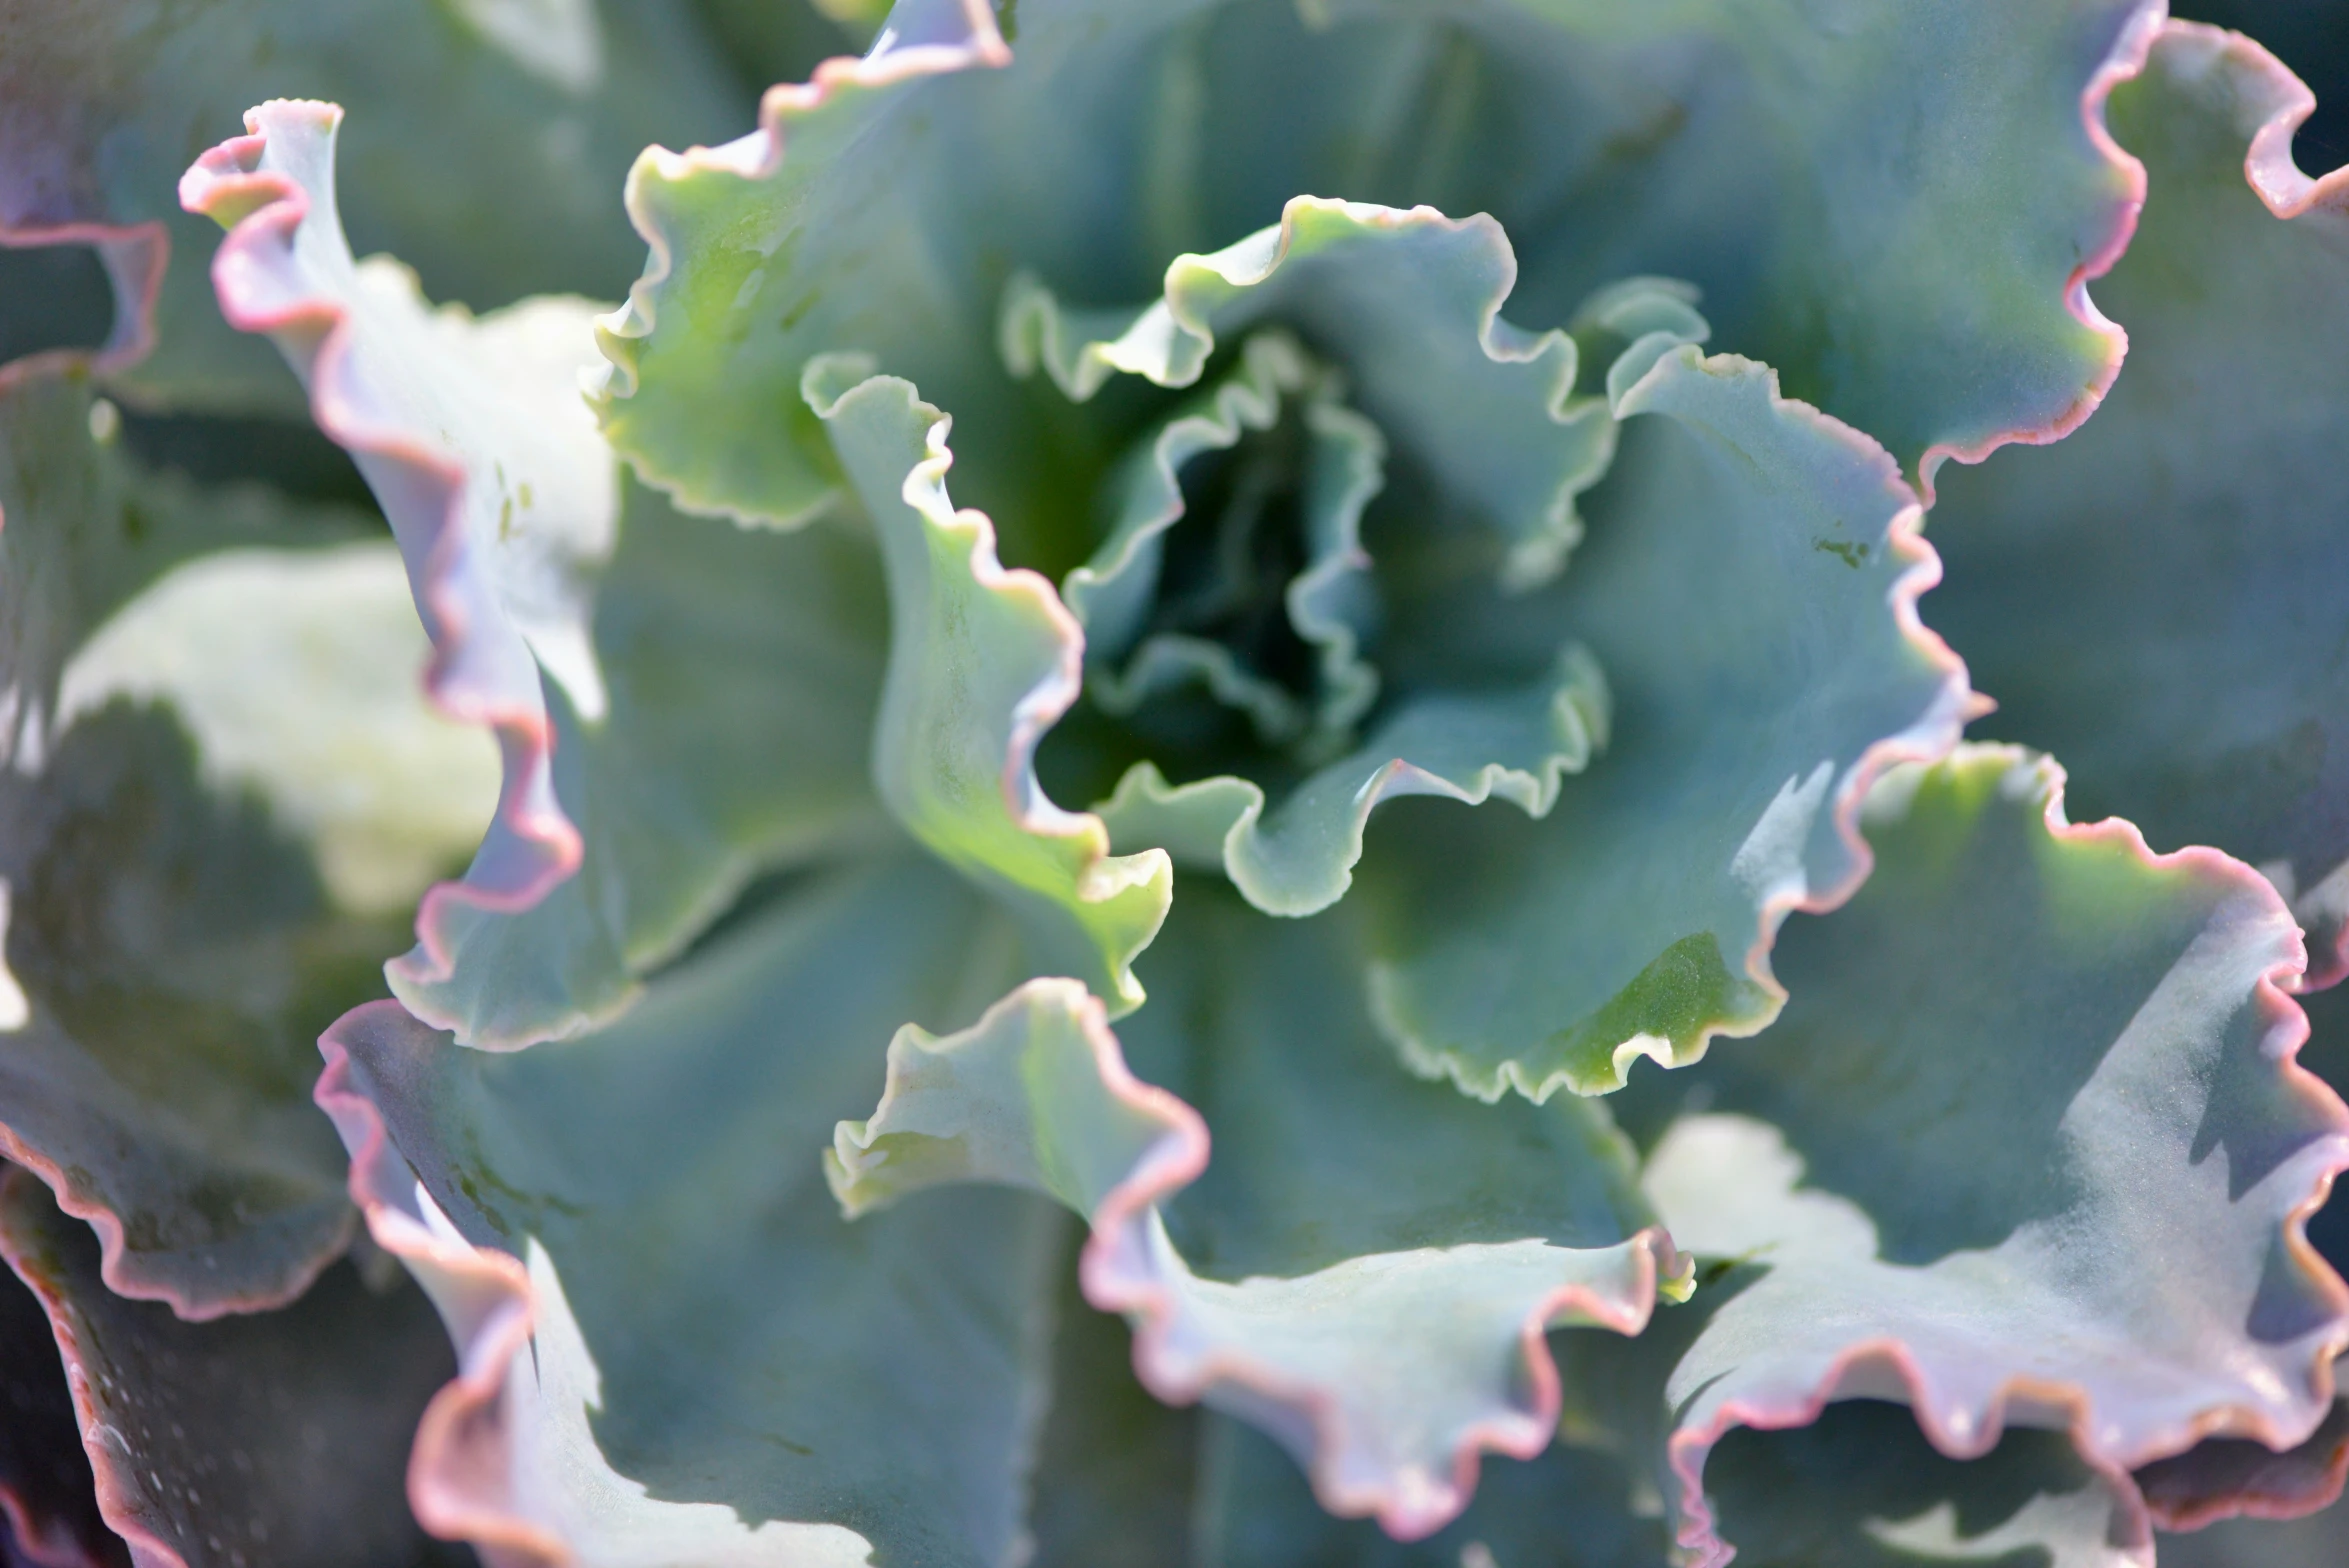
pixel 1886 1368
pixel 262 211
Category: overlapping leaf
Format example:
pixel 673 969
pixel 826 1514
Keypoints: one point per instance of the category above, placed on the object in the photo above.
pixel 494 136
pixel 1749 589
pixel 274 1438
pixel 707 692
pixel 2159 601
pixel 2027 1059
pixel 673 1346
pixel 194 886
pixel 981 662
pixel 1366 1268
pixel 1747 144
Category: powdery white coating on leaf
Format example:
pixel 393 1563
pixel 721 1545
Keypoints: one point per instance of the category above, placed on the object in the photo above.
pixel 602 1390
pixel 1750 589
pixel 1386 1373
pixel 2010 1296
pixel 471 432
pixel 2190 535
pixel 982 662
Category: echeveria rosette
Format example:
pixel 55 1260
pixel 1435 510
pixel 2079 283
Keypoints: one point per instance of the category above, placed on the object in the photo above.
pixel 1270 535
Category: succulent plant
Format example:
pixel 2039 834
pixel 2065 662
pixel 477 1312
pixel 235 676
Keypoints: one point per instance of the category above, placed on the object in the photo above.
pixel 1232 782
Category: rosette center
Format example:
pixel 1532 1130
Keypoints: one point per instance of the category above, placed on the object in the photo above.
pixel 1228 606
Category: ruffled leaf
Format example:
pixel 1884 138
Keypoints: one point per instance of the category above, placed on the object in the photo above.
pixel 48 1497
pixel 1861 1488
pixel 2224 1477
pixel 1326 604
pixel 194 888
pixel 2028 1058
pixel 1410 303
pixel 1299 858
pixel 494 133
pixel 2157 601
pixel 706 692
pixel 982 661
pixel 673 1347
pixel 1935 299
pixel 274 1438
pixel 1749 589
pixel 1367 1269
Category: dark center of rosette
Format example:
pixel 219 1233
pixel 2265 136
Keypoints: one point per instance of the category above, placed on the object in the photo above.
pixel 1229 602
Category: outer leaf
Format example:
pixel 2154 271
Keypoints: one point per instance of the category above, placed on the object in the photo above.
pixel 1378 1311
pixel 502 498
pixel 2027 1058
pixel 47 1495
pixel 2159 601
pixel 1747 144
pixel 672 1348
pixel 1749 587
pixel 982 661
pixel 712 707
pixel 256 1439
pixel 193 889
pixel 492 147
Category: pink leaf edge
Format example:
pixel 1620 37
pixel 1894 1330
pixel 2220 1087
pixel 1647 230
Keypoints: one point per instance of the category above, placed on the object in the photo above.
pixel 2123 62
pixel 924 38
pixel 1879 1365
pixel 108 1463
pixel 460 1482
pixel 1118 1274
pixel 2279 104
pixel 466 678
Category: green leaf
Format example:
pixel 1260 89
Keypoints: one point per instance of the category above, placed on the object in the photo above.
pixel 493 132
pixel 194 887
pixel 2028 1147
pixel 1409 302
pixel 982 661
pixel 271 1438
pixel 1367 1268
pixel 1749 588
pixel 682 705
pixel 47 1493
pixel 673 1347
pixel 1899 203
pixel 2156 600
pixel 1298 858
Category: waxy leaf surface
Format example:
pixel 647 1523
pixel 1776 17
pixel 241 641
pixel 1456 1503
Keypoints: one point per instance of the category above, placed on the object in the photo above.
pixel 2026 1059
pixel 674 1348
pixel 2160 601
